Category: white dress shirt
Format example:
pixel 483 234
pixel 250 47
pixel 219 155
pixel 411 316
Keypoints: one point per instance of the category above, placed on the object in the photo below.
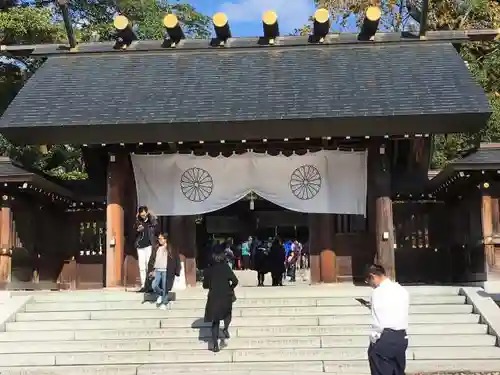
pixel 390 304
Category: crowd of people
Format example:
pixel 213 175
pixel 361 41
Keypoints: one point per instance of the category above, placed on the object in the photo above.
pixel 280 258
pixel 159 266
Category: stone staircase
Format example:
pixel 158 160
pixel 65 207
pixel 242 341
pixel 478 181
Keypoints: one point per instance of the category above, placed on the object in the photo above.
pixel 4 296
pixel 291 330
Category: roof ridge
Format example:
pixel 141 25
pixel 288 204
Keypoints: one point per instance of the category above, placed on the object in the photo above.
pixel 489 145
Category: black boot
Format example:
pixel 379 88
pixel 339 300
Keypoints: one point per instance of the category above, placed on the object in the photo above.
pixel 215 337
pixel 225 331
pixel 215 347
pixel 260 279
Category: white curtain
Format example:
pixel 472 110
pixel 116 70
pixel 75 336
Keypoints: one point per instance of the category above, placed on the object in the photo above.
pixel 321 182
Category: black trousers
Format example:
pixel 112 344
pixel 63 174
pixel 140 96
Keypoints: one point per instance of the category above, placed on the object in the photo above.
pixel 216 327
pixel 260 278
pixel 388 355
pixel 292 271
pixel 246 262
pixel 277 278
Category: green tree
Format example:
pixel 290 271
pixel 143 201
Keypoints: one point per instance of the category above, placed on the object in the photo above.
pixel 95 18
pixel 38 21
pixel 483 58
pixel 28 25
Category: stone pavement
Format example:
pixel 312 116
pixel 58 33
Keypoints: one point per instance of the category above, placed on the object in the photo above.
pixel 248 278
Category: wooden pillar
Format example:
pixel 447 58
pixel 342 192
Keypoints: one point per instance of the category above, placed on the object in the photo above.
pixel 315 247
pixel 176 236
pixel 115 232
pixel 6 237
pixel 328 261
pixel 131 272
pixel 189 249
pixel 183 240
pixel 379 184
pixel 487 226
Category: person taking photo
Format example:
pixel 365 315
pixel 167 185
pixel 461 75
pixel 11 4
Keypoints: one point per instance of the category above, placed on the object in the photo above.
pixel 145 240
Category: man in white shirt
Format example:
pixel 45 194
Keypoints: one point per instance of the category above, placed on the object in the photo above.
pixel 389 306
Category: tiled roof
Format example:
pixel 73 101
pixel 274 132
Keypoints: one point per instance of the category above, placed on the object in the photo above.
pixel 241 85
pixel 487 154
pixel 12 172
pixel 9 169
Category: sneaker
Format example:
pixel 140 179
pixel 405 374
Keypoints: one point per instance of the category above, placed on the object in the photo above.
pixel 159 300
pixel 163 307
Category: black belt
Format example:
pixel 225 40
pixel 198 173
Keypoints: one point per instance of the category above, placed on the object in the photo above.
pixel 395 330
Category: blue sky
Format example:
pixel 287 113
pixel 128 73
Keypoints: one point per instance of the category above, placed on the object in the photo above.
pixel 245 15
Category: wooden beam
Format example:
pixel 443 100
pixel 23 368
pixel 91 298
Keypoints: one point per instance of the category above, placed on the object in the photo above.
pixel 315 247
pixel 189 249
pixel 380 186
pixel 451 36
pixel 423 18
pixel 115 224
pixel 183 240
pixel 487 226
pixel 328 258
pixel 495 209
pixel 6 230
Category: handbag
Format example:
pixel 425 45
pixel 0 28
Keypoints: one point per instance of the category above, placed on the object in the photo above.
pixel 233 297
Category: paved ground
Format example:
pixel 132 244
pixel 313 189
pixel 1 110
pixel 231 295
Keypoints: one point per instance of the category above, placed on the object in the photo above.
pixel 249 278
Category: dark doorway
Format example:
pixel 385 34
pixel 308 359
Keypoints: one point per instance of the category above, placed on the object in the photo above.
pixel 260 219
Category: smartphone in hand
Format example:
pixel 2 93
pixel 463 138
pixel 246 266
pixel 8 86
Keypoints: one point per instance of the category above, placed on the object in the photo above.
pixel 364 302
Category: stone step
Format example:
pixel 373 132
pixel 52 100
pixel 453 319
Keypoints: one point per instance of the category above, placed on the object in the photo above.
pixel 357 330
pixel 413 319
pixel 414 341
pixel 237 322
pixel 4 296
pixel 256 368
pixel 240 303
pixel 468 366
pixel 249 332
pixel 245 312
pixel 236 343
pixel 246 355
pixel 124 370
pixel 214 368
pixel 331 367
pixel 325 291
pixel 354 354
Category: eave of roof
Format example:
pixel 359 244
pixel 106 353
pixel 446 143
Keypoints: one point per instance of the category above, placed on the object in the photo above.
pixel 485 158
pixel 11 172
pixel 293 92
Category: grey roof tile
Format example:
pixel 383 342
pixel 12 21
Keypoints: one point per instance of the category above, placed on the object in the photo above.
pixel 9 169
pixel 481 156
pixel 245 85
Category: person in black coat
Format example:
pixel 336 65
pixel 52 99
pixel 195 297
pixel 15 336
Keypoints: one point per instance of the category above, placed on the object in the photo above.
pixel 262 261
pixel 145 240
pixel 220 281
pixel 173 269
pixel 277 261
